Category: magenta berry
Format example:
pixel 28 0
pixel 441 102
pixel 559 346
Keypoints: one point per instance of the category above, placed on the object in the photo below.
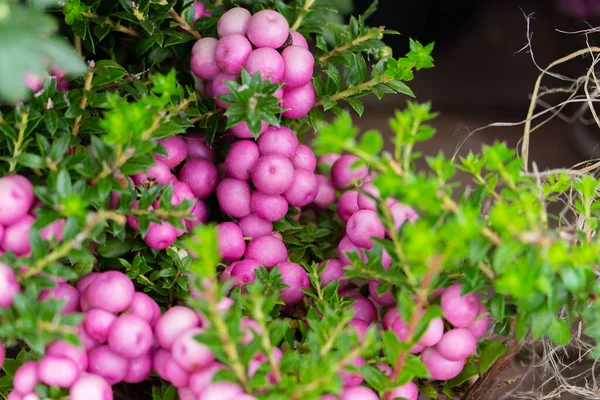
pixel 54 231
pixel 91 387
pixel 460 311
pixel 105 362
pixel 334 271
pixel 97 323
pixel 26 377
pixel 385 300
pixel 200 380
pixel 254 226
pixel 234 197
pixel 304 188
pixel 201 176
pixel 296 278
pixel 440 368
pixel 234 21
pixel 16 236
pixel 360 327
pixel 278 140
pixel 457 344
pixel 365 310
pixel 231 241
pixel 77 354
pixel 304 158
pixel 9 286
pixel 176 151
pixel 352 379
pixel 190 354
pixel 58 371
pixel 203 62
pixel 243 273
pixel 299 101
pixel 241 159
pixel 144 307
pixel 358 393
pixel 363 226
pixel 231 52
pixel 480 326
pixel 298 40
pixel 408 392
pixel 196 147
pixel 176 374
pixel 160 236
pixel 269 207
pixel 326 193
pixel 273 174
pixel 299 63
pixel 347 205
pixel 17 195
pixel 173 323
pixel 130 336
pixel 268 28
pixel 221 391
pixel 268 62
pixel 112 291
pixel 344 172
pixel 346 246
pixel 267 250
pixel 219 87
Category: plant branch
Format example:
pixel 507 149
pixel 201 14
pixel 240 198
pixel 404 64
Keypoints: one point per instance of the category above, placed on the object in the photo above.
pixel 115 26
pixel 259 316
pixel 435 265
pixel 228 344
pixel 354 90
pixel 370 35
pixel 184 24
pixel 20 139
pixel 87 86
pixel 65 248
pixel 307 5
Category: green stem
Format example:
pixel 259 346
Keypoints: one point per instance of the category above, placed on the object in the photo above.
pixel 83 103
pixel 259 316
pixel 184 24
pixel 307 5
pixel 114 26
pixel 355 42
pixel 354 90
pixel 20 139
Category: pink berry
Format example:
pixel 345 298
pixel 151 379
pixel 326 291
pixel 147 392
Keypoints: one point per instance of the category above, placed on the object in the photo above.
pixel 97 324
pixel 241 159
pixel 389 318
pixel 351 379
pixel 231 241
pixel 144 307
pixel 160 358
pixel 201 176
pixel 219 87
pixel 457 344
pixel 196 147
pixel 54 231
pixel 203 63
pixel 112 291
pixel 358 393
pixel 299 101
pixel 460 311
pixel 86 280
pixel 364 310
pixel 178 376
pixel 269 207
pixel 267 250
pixel 360 327
pixel 268 62
pixel 402 213
pixel 347 205
pixel 159 173
pixel 234 197
pixel 26 377
pixel 326 193
pixel 91 387
pixel 433 334
pixel 304 158
pixel 296 278
pixel 199 215
pixel 268 28
pixel 346 246
pixel 231 52
pixel 298 40
pixel 190 354
pixel 254 226
pixel 200 380
pixel 16 236
pixel 408 392
pixel 233 21
pixel 304 188
pixel 87 342
pixel 242 131
pixel 105 362
pixel 173 323
pixel 334 271
pixel 299 63
pixel 160 236
pixel 440 368
pixel 199 10
pixel 365 202
pixel 243 272
pixel 58 371
pixel 34 82
pixel 9 286
pixel 176 151
pixel 363 226
pixel 77 354
pixel 186 393
pixel 385 300
pixel 480 326
pixel 221 391
pixel 329 159
pixel 278 140
pixel 386 369
pixel 130 336
pixel 344 173
pixel 273 174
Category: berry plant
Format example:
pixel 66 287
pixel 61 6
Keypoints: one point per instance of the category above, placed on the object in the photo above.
pixel 188 211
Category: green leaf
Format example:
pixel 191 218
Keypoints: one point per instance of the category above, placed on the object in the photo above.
pixel 204 245
pixel 540 321
pixel 357 105
pixel 489 353
pixel 467 373
pixel 114 248
pixel 559 332
pixel 51 121
pixel 371 142
pixel 30 160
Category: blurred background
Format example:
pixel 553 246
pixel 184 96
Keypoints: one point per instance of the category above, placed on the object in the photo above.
pixel 481 77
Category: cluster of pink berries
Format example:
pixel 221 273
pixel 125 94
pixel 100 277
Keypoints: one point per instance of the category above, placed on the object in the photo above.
pixel 197 179
pixel 36 83
pixel 257 43
pixel 444 351
pixel 16 216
